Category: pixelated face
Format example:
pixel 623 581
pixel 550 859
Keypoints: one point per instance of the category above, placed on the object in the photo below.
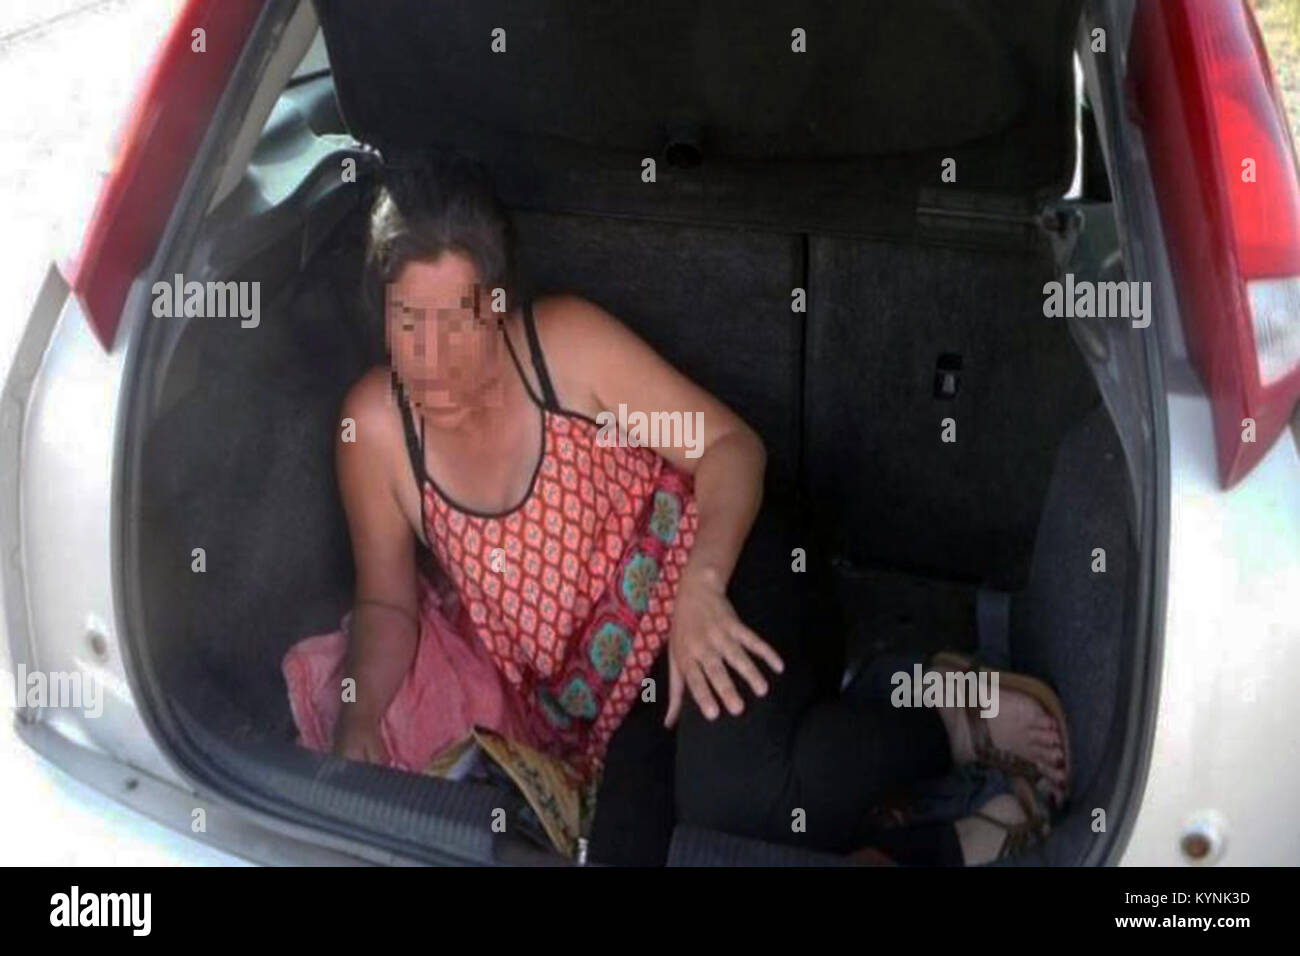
pixel 442 336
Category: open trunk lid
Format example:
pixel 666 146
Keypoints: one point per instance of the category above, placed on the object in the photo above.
pixel 812 118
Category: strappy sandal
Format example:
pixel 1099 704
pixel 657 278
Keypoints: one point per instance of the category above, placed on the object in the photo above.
pixel 959 793
pixel 986 752
pixel 1030 832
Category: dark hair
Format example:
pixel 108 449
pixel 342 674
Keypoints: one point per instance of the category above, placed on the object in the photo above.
pixel 441 203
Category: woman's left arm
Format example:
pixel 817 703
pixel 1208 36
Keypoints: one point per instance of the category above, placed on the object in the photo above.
pixel 602 365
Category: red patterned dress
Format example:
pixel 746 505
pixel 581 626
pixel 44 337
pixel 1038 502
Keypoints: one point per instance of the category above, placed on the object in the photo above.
pixel 571 591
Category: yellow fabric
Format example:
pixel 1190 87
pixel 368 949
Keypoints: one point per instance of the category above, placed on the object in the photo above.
pixel 551 788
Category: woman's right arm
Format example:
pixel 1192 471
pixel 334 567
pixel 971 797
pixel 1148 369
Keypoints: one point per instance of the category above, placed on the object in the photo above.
pixel 385 621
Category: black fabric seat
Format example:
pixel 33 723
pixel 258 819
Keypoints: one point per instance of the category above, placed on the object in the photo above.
pixel 882 319
pixel 843 395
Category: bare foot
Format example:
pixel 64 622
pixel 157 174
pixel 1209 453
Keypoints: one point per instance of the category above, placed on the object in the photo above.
pixel 1022 727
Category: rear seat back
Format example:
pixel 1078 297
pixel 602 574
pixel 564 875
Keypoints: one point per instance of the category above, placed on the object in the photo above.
pixel 844 394
pixel 885 321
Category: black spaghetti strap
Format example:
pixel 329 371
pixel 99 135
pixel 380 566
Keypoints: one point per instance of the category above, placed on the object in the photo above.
pixel 539 363
pixel 514 357
pixel 414 445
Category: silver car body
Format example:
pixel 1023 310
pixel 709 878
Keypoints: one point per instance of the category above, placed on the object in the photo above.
pixel 1221 755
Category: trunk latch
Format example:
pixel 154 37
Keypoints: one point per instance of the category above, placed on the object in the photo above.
pixel 947 376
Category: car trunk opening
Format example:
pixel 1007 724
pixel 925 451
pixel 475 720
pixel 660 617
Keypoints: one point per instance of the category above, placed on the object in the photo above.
pixel 823 171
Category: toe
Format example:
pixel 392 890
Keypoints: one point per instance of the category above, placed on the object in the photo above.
pixel 1044 754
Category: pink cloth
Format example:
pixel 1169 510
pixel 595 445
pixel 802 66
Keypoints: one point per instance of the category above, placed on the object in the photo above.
pixel 452 687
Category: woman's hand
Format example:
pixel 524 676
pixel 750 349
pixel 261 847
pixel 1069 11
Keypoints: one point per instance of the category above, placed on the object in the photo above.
pixel 706 639
pixel 360 740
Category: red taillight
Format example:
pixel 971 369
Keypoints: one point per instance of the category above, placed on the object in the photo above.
pixel 1224 169
pixel 170 114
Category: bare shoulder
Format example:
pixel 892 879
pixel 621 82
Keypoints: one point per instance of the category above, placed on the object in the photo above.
pixel 572 327
pixel 372 408
pixel 583 344
pixel 567 310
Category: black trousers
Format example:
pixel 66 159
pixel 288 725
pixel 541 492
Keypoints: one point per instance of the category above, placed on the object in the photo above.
pixel 801 765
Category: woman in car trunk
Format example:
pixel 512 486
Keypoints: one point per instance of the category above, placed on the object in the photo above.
pixel 645 610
